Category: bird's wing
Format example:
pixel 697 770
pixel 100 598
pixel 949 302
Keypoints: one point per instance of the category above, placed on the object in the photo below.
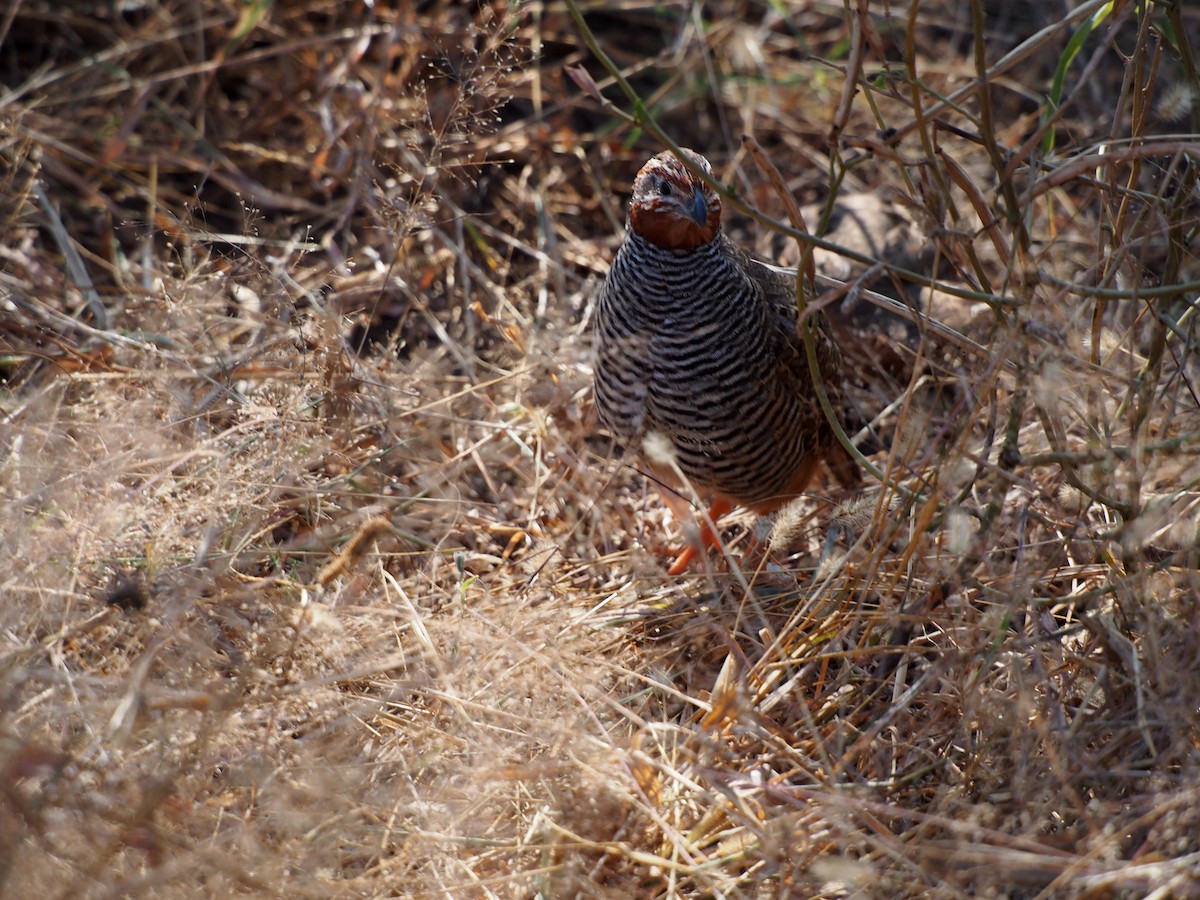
pixel 779 288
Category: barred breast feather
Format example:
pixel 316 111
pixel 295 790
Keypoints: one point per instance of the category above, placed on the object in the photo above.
pixel 698 342
pixel 690 345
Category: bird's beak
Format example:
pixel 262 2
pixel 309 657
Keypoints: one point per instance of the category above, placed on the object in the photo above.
pixel 699 208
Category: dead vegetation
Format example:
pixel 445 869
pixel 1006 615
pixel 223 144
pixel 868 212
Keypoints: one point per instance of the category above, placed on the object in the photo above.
pixel 318 580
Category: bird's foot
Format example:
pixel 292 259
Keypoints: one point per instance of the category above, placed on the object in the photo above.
pixel 706 540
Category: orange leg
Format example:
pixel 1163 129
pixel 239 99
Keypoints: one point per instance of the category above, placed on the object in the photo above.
pixel 708 539
pixel 755 552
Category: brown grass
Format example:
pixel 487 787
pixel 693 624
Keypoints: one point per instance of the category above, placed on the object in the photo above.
pixel 319 580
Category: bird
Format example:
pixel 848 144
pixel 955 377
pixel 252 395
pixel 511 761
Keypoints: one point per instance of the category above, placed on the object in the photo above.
pixel 698 361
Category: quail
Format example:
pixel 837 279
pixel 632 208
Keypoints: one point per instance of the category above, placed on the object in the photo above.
pixel 697 347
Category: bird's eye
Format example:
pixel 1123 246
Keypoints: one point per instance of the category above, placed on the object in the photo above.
pixel 664 188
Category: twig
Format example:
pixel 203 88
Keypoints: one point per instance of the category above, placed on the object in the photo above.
pixel 76 270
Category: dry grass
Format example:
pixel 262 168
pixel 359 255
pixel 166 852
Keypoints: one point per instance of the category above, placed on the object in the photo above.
pixel 318 580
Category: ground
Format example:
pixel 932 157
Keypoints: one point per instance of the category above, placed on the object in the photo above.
pixel 321 579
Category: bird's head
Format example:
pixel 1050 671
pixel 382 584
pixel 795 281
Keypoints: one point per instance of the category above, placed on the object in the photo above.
pixel 671 207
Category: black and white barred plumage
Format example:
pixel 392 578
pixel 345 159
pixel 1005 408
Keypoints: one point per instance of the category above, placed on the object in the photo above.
pixel 698 342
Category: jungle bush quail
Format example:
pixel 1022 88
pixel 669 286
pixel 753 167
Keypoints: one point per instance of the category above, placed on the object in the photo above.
pixel 697 341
